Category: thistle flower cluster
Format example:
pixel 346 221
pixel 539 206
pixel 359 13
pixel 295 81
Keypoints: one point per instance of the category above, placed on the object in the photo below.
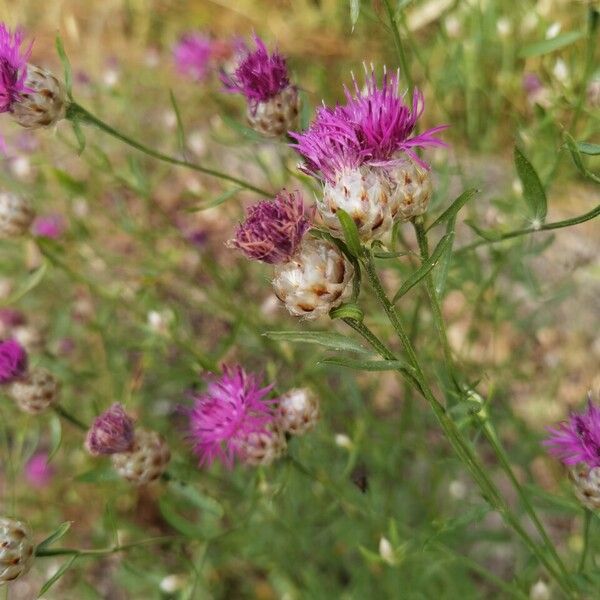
pixel 576 443
pixel 235 419
pixel 196 54
pixel 312 276
pixel 365 154
pixel 138 455
pixel 33 96
pixel 263 79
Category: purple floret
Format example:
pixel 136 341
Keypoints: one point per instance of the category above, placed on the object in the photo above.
pixel 274 229
pixel 111 432
pixel 13 67
pixel 578 439
pixel 259 76
pixel 13 361
pixel 232 408
pixel 193 54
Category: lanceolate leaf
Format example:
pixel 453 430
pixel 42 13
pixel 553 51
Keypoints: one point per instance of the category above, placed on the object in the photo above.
pixel 546 46
pixel 58 533
pixel 336 341
pixel 60 49
pixel 61 571
pixel 366 365
pixel 533 190
pixel 453 209
pixel 354 12
pixel 350 232
pixel 422 271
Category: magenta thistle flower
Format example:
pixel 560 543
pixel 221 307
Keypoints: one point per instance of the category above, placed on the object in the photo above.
pixel 259 76
pixel 193 54
pixel 13 67
pixel 13 360
pixel 48 226
pixel 111 432
pixel 223 417
pixel 578 439
pixel 38 471
pixel 274 229
pixel 373 127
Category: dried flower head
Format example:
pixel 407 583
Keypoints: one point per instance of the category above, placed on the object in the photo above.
pixel 111 432
pixel 274 229
pixel 233 408
pixel 577 440
pixel 193 54
pixel 13 67
pixel 374 126
pixel 259 76
pixel 13 361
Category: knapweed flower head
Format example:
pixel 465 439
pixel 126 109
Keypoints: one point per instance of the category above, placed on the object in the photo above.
pixel 111 432
pixel 273 229
pixel 193 54
pixel 48 226
pixel 577 440
pixel 38 471
pixel 373 127
pixel 233 407
pixel 13 360
pixel 13 67
pixel 259 75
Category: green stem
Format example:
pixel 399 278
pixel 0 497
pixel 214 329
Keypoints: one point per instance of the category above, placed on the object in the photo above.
pixel 436 309
pixel 67 416
pixel 454 435
pixel 100 551
pixel 545 227
pixel 587 521
pixel 399 47
pixel 77 113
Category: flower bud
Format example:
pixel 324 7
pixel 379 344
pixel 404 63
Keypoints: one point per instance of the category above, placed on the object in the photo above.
pixel 315 280
pixel 16 215
pixel 147 460
pixel 16 549
pixel 44 101
pixel 35 392
pixel 261 448
pixel 365 195
pixel 111 432
pixel 13 361
pixel 276 116
pixel 298 411
pixel 586 485
pixel 411 190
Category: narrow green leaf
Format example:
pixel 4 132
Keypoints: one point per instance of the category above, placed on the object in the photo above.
pixel 76 187
pixel 588 148
pixel 55 436
pixel 61 571
pixel 68 74
pixel 485 234
pixel 336 341
pixel 32 280
pixel 577 158
pixel 350 232
pixel 98 475
pixel 533 190
pixel 347 311
pixel 56 535
pixel 425 267
pixel 453 209
pixel 180 128
pixel 546 46
pixel 365 365
pixel 79 136
pixel 354 12
pixel 197 498
pixel 220 199
pixel 441 274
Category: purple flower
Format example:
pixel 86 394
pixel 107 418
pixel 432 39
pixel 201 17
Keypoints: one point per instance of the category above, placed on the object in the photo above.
pixel 9 317
pixel 193 54
pixel 38 471
pixel 49 226
pixel 578 439
pixel 259 76
pixel 531 83
pixel 232 408
pixel 13 67
pixel 374 126
pixel 274 229
pixel 111 432
pixel 13 360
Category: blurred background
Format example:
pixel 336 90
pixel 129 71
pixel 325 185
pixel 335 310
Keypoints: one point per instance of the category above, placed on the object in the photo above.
pixel 137 292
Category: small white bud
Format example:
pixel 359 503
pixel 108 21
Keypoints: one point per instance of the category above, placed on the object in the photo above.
pixel 386 551
pixel 343 441
pixel 540 591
